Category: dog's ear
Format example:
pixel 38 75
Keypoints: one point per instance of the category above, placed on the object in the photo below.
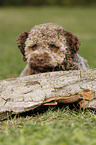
pixel 73 43
pixel 21 42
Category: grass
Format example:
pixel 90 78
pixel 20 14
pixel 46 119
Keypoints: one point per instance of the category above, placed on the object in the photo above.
pixel 59 126
pixel 54 127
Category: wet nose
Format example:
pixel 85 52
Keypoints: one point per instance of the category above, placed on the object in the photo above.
pixel 40 59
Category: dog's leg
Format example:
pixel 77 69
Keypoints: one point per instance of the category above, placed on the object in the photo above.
pixel 27 71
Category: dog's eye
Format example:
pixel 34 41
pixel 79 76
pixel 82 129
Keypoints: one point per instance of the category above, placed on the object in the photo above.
pixel 53 47
pixel 34 47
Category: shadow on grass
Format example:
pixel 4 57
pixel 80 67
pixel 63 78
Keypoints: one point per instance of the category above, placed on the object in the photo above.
pixel 44 108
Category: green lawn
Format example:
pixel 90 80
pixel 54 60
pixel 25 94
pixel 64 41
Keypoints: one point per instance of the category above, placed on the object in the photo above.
pixel 54 127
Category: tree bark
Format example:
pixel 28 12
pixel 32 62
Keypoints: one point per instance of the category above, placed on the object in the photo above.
pixel 23 94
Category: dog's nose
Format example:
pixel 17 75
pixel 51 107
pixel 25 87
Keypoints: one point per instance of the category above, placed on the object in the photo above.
pixel 40 59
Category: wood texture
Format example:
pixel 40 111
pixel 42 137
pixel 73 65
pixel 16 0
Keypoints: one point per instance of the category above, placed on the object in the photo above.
pixel 26 93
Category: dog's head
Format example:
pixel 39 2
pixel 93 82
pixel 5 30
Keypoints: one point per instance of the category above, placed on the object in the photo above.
pixel 47 45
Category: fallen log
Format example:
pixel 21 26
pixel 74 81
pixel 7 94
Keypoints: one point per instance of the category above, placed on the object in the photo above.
pixel 23 94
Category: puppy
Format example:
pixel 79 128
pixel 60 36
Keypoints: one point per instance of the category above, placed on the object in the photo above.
pixel 49 47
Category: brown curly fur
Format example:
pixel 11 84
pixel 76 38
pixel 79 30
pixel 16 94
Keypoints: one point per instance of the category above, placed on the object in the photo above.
pixel 72 43
pixel 21 42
